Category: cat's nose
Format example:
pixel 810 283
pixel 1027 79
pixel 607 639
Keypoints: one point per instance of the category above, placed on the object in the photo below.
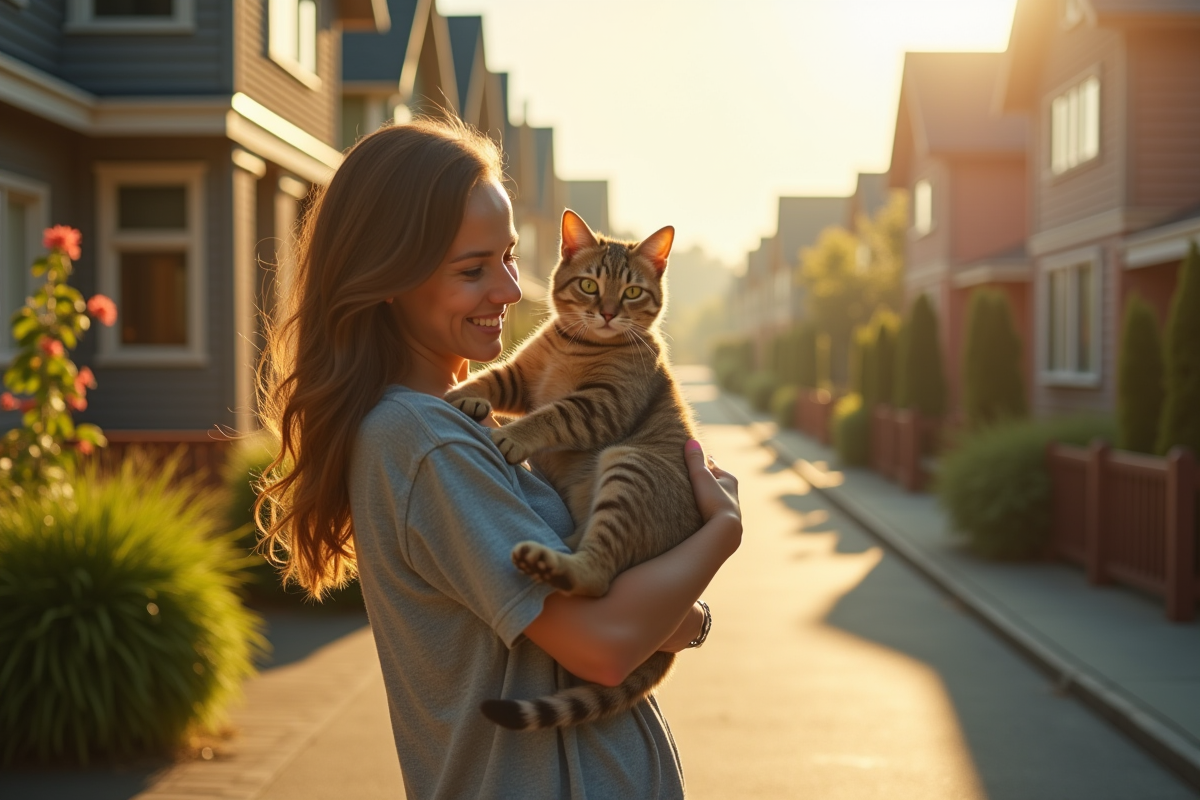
pixel 607 317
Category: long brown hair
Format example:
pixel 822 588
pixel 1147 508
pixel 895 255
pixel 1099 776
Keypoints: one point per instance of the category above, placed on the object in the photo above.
pixel 381 227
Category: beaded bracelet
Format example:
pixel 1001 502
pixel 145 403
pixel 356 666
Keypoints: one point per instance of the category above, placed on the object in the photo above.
pixel 705 627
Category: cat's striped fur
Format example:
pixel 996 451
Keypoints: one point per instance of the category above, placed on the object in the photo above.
pixel 603 419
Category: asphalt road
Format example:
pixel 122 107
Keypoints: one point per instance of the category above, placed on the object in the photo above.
pixel 835 671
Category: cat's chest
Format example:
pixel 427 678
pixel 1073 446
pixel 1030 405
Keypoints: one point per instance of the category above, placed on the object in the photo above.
pixel 556 381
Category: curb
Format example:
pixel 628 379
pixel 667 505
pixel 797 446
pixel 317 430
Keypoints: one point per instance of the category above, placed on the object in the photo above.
pixel 1160 739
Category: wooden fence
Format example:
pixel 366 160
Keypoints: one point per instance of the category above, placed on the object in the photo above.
pixel 900 439
pixel 814 414
pixel 203 452
pixel 1130 518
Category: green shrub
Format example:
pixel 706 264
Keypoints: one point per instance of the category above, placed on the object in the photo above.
pixel 852 431
pixel 807 357
pixel 733 362
pixel 759 389
pixel 1139 379
pixel 996 488
pixel 121 628
pixel 1180 424
pixel 993 389
pixel 921 377
pixel 862 365
pixel 783 406
pixel 264 585
pixel 885 326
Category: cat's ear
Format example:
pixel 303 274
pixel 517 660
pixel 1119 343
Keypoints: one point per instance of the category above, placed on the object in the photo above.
pixel 576 234
pixel 656 247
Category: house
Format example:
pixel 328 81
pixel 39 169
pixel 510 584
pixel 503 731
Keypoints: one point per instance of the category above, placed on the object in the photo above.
pixel 181 137
pixel 1111 88
pixel 964 168
pixel 798 225
pixel 589 199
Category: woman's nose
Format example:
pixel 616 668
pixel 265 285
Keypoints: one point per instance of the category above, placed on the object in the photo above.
pixel 506 290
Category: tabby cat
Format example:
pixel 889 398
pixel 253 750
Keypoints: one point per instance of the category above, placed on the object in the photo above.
pixel 605 423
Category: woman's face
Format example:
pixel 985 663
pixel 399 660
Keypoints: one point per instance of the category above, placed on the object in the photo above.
pixel 458 312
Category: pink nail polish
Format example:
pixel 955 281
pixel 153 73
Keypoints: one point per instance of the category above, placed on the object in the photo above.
pixel 691 445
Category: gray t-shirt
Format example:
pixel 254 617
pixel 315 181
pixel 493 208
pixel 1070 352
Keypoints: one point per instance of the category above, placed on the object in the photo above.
pixel 436 513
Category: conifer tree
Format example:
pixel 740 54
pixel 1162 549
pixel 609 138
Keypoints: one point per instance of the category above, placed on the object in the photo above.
pixel 1139 379
pixel 921 378
pixel 993 389
pixel 884 357
pixel 1180 423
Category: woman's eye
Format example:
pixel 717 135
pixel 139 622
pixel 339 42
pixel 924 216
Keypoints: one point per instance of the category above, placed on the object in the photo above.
pixel 633 292
pixel 589 286
pixel 473 273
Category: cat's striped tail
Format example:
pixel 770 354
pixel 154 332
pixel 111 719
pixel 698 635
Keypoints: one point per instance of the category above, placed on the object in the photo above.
pixel 580 704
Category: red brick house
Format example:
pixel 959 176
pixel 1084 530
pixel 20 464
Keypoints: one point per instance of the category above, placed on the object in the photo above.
pixel 964 168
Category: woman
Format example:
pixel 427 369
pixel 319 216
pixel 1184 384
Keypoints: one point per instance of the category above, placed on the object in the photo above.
pixel 405 269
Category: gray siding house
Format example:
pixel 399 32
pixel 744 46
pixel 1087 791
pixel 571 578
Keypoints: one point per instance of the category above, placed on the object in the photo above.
pixel 181 137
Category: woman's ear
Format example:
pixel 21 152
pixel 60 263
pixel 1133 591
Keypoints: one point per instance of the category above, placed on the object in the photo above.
pixel 576 234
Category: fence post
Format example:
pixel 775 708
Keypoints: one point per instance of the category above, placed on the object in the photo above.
pixel 1093 551
pixel 1181 533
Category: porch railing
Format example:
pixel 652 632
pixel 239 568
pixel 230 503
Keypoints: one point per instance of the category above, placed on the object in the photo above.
pixel 900 438
pixel 203 452
pixel 814 414
pixel 1130 518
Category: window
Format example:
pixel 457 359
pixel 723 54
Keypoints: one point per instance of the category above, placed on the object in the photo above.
pixel 292 37
pixel 151 231
pixel 1075 126
pixel 130 16
pixel 923 207
pixel 22 218
pixel 1071 320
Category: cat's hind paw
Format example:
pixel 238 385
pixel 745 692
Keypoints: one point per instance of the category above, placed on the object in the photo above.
pixel 476 408
pixel 543 565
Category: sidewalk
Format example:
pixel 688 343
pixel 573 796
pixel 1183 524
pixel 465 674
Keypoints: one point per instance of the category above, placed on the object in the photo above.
pixel 1111 647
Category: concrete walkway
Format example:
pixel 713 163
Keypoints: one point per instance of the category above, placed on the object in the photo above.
pixel 1110 646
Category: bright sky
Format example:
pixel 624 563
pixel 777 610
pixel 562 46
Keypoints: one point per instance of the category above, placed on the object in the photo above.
pixel 701 112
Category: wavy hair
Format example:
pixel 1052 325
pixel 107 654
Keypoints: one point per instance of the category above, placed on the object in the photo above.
pixel 381 227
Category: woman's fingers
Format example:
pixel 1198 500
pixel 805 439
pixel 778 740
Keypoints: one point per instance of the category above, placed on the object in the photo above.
pixel 715 489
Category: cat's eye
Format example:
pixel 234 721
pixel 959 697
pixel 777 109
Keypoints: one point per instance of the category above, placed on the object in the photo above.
pixel 633 292
pixel 589 286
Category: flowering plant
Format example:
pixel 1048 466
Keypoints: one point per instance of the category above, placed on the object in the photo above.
pixel 43 381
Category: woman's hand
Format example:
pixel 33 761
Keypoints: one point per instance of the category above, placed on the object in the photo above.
pixel 716 490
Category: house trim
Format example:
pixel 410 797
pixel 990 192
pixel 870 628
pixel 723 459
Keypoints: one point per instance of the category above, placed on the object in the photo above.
pixel 109 175
pixel 1056 263
pixel 1108 223
pixel 238 117
pixel 1161 245
pixel 37 221
pixel 82 19
pixel 999 272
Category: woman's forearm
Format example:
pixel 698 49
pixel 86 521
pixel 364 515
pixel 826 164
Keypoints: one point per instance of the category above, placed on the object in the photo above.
pixel 602 639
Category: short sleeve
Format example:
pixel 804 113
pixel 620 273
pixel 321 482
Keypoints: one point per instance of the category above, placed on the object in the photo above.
pixel 465 515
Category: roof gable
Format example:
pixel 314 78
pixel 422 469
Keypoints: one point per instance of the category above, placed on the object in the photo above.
pixel 801 220
pixel 380 57
pixel 466 38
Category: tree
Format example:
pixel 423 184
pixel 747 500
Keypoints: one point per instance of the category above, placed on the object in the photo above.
pixel 864 364
pixel 1180 423
pixel 993 389
pixel 833 290
pixel 885 325
pixel 806 356
pixel 921 382
pixel 1139 379
pixel 882 238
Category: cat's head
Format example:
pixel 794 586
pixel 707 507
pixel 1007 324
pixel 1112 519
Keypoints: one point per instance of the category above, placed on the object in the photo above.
pixel 608 290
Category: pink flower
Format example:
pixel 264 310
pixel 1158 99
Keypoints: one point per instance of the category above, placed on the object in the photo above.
pixel 8 402
pixel 85 447
pixel 28 405
pixel 77 403
pixel 84 380
pixel 63 237
pixel 103 309
pixel 51 347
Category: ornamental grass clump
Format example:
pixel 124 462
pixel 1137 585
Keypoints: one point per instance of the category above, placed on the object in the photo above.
pixel 996 487
pixel 121 628
pixel 852 431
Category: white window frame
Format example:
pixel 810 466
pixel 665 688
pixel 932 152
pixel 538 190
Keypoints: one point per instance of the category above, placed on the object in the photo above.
pixel 1071 146
pixel 111 242
pixel 81 18
pixel 37 198
pixel 284 20
pixel 923 224
pixel 1069 263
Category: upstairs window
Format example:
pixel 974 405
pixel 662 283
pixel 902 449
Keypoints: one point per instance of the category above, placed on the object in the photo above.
pixel 130 16
pixel 292 36
pixel 1075 126
pixel 922 207
pixel 152 263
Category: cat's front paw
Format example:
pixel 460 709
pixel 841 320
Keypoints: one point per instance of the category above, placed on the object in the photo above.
pixel 476 408
pixel 511 446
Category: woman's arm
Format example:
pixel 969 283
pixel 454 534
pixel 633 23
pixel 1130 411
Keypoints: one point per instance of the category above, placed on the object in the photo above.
pixel 603 639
